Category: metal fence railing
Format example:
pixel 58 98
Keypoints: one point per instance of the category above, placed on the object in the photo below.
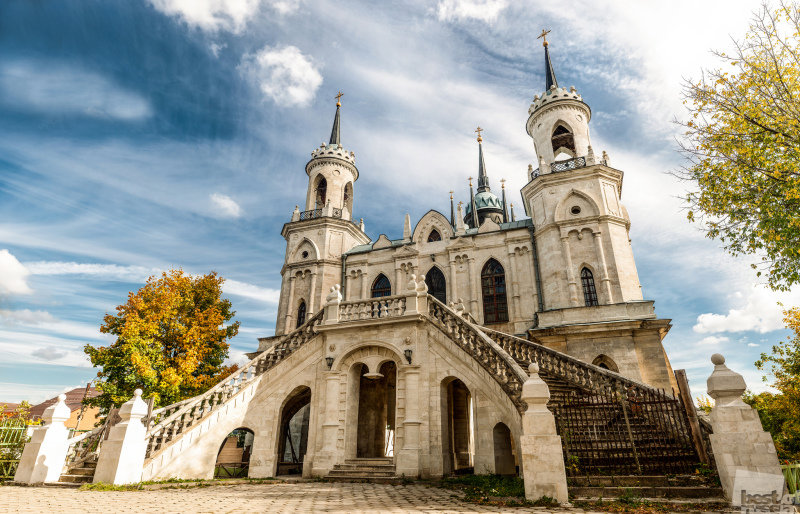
pixel 13 436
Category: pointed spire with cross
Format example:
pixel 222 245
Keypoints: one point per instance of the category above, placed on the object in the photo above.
pixel 550 74
pixel 335 131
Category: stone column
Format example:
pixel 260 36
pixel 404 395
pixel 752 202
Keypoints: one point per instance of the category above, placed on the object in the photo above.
pixel 744 453
pixel 363 285
pixel 453 282
pixel 408 456
pixel 312 304
pixel 474 291
pixel 43 457
pixel 290 305
pixel 122 456
pixel 347 283
pixel 326 458
pixel 601 257
pixel 398 281
pixel 512 288
pixel 542 454
pixel 573 285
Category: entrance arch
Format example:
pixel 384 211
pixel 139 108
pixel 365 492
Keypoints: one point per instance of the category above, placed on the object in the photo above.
pixel 458 427
pixel 233 457
pixel 376 411
pixel 293 438
pixel 437 285
pixel 504 463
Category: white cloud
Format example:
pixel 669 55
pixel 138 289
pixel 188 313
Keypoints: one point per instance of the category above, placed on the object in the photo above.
pixel 49 353
pixel 713 340
pixel 213 15
pixel 251 291
pixel 283 74
pixel 752 345
pixel 483 10
pixel 216 48
pixel 110 271
pixel 13 275
pixel 760 312
pixel 224 206
pixel 53 88
pixel 25 317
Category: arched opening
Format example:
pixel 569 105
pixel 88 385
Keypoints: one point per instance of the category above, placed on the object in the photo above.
pixel 348 197
pixel 458 427
pixel 606 362
pixel 434 236
pixel 493 289
pixel 504 462
pixel 233 458
pixel 589 291
pixel 321 193
pixel 381 287
pixel 293 439
pixel 301 313
pixel 437 285
pixel 376 411
pixel 563 141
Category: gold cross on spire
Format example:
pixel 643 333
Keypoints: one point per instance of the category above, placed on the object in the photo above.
pixel 503 183
pixel 338 99
pixel 543 35
pixel 479 130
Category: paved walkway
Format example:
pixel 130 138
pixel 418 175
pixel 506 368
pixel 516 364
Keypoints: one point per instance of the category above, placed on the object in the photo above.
pixel 275 497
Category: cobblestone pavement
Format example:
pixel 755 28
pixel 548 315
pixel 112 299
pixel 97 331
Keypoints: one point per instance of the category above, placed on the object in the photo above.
pixel 275 497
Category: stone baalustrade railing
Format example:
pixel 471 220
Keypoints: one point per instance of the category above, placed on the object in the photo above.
pixel 373 308
pixel 170 422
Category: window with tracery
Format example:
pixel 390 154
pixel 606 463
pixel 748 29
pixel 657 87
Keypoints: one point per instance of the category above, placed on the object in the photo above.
pixel 381 287
pixel 563 139
pixel 493 288
pixel 589 291
pixel 434 236
pixel 437 285
pixel 301 313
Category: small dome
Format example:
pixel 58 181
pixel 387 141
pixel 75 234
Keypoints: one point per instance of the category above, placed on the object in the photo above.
pixel 485 200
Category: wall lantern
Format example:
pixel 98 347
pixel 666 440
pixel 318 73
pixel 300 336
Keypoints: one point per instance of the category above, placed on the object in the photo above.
pixel 408 355
pixel 329 361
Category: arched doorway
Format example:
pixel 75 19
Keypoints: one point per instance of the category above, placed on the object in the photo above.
pixel 437 285
pixel 458 427
pixel 504 463
pixel 293 439
pixel 233 457
pixel 376 411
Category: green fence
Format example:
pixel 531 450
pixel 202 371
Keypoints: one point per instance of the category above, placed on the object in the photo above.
pixel 13 436
pixel 792 474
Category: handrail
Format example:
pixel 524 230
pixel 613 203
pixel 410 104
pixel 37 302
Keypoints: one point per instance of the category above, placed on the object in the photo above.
pixel 371 308
pixel 491 356
pixel 80 448
pixel 194 409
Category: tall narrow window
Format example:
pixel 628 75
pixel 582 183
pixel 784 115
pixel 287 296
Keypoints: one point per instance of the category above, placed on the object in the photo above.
pixel 301 313
pixel 348 197
pixel 563 140
pixel 434 236
pixel 381 287
pixel 589 292
pixel 437 286
pixel 493 286
pixel 322 193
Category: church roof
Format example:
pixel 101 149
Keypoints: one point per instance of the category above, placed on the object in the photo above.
pixel 485 200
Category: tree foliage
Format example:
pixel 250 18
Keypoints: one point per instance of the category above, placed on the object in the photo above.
pixel 742 142
pixel 171 341
pixel 780 413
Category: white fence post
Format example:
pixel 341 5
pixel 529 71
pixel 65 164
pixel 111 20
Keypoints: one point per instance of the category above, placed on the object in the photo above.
pixel 43 457
pixel 122 459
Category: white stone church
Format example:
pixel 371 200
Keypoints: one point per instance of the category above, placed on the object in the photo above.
pixel 410 357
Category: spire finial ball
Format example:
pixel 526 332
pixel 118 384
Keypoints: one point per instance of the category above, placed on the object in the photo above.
pixel 137 393
pixel 717 359
pixel 339 96
pixel 62 397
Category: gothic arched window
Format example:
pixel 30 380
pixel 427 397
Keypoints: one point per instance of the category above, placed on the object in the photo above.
pixel 434 236
pixel 589 291
pixel 348 197
pixel 381 287
pixel 437 286
pixel 301 313
pixel 563 140
pixel 321 192
pixel 493 288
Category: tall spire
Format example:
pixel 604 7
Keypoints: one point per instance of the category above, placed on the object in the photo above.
pixel 505 208
pixel 452 211
pixel 549 74
pixel 483 180
pixel 335 132
pixel 473 207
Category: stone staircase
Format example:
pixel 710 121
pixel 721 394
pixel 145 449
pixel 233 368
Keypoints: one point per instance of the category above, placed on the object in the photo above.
pixel 670 487
pixel 375 470
pixel 84 474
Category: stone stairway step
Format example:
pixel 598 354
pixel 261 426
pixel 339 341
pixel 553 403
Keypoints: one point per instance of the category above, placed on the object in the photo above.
pixel 366 479
pixel 676 492
pixel 358 473
pixel 377 467
pixel 371 461
pixel 636 481
pixel 85 470
pixel 76 479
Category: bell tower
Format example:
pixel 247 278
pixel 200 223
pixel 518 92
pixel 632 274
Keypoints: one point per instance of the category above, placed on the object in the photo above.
pixel 317 237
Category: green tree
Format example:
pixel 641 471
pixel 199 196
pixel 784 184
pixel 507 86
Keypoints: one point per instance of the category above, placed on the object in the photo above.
pixel 171 341
pixel 742 142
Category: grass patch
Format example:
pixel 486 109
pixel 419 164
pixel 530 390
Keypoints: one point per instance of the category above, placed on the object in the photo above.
pixel 506 491
pixel 102 486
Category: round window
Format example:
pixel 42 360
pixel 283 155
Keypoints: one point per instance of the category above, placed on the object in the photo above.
pixel 575 209
pixel 305 255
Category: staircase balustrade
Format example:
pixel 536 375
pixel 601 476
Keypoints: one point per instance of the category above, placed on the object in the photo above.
pixel 373 308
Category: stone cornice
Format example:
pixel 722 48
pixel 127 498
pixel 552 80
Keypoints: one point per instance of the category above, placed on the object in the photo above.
pixel 323 160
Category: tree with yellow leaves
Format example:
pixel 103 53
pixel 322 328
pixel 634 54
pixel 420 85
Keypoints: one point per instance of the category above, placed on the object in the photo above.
pixel 742 142
pixel 171 341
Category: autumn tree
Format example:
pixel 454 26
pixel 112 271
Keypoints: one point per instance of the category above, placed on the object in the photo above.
pixel 742 142
pixel 171 341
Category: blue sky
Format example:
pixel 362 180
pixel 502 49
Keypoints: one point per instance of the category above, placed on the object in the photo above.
pixel 142 135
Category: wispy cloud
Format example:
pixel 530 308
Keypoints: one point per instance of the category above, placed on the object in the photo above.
pixel 251 291
pixel 49 353
pixel 214 15
pixel 13 275
pixel 224 206
pixel 483 10
pixel 758 311
pixel 713 340
pixel 283 74
pixel 52 88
